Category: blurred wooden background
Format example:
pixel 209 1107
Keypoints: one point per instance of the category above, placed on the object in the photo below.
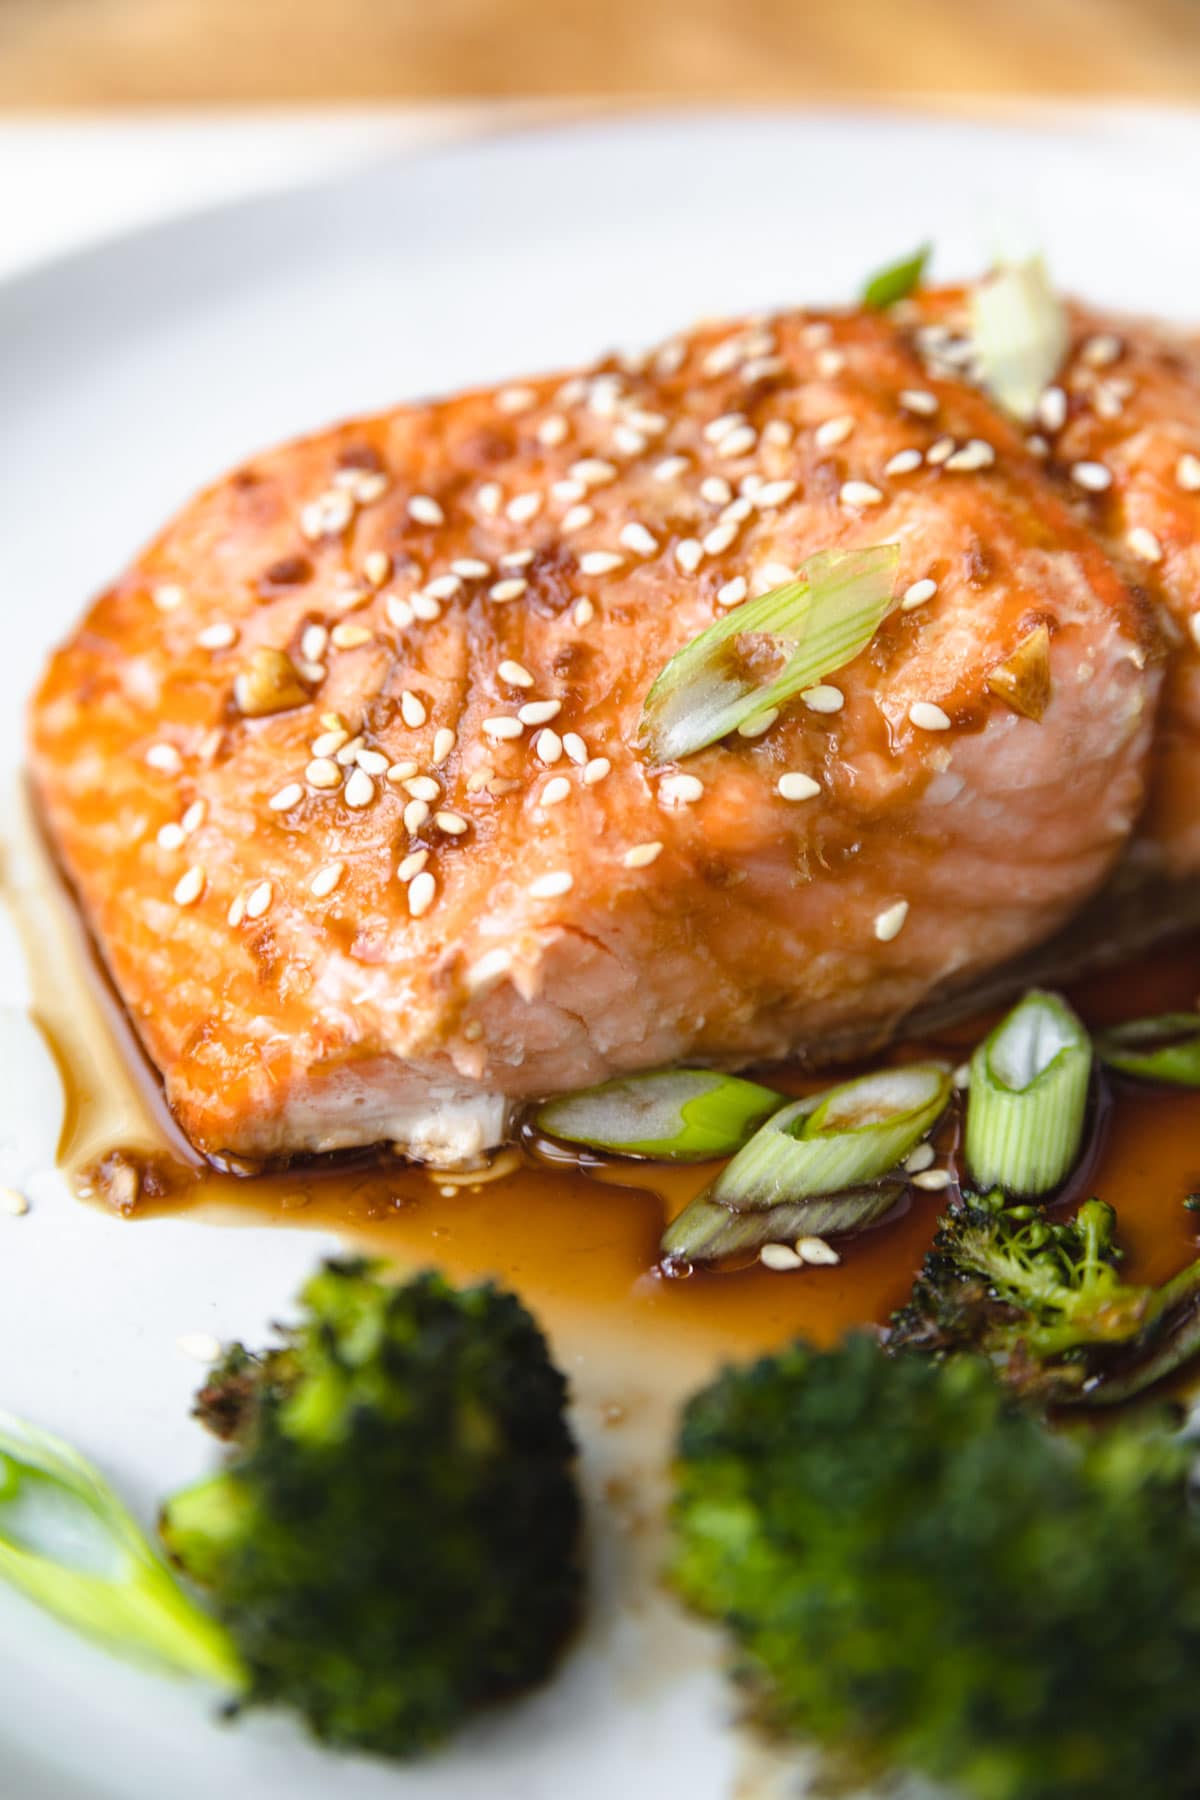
pixel 97 53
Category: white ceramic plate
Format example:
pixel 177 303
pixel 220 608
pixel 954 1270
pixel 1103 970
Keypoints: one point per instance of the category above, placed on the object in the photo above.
pixel 132 373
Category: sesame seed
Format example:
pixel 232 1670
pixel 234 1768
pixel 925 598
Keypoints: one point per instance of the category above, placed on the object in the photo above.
pixel 313 643
pixel 568 491
pixel 552 430
pixel 758 725
pixel 511 589
pixel 492 966
pixel 415 815
pixel 548 747
pixel 411 865
pixel 323 772
pixel 555 791
pixel 716 490
pixel 1102 350
pixel 372 762
pixel 933 1180
pixel 1091 476
pixel 286 798
pixel 720 427
pixel 583 612
pixel 738 443
pixel 360 789
pixel 258 901
pixel 412 710
pixel 168 597
pixel 377 566
pixel 516 559
pixel 399 612
pixel 349 637
pixel 738 511
pixel 326 879
pixel 975 454
pixel 1194 629
pixel 834 431
pixel 939 452
pixel 425 510
pixel 170 837
pixel 962 1076
pixel 539 712
pixel 219 636
pixel 774 493
pixel 817 1252
pixel 575 747
pixel 502 726
pixel 425 606
pixel 903 463
pixel 733 592
pixel 450 822
pixel 795 785
pixel 772 575
pixel 470 568
pixel 1052 410
pixel 523 508
pixel 599 562
pixel 201 1346
pixel 423 787
pixel 635 537
pixel 1187 473
pixel 719 539
pixel 890 922
pixel 830 363
pixel 689 554
pixel 918 594
pixel 928 717
pixel 680 790
pixel 577 518
pixel 779 432
pixel 190 886
pixel 642 855
pixel 593 471
pixel 595 770
pixel 349 751
pixel 516 674
pixel 859 493
pixel 823 698
pixel 422 890
pixel 13 1203
pixel 817 332
pixel 401 771
pixel 515 399
pixel 444 587
pixel 551 886
pixel 237 910
pixel 1143 543
pixel 670 468
pixel 628 441
pixel 165 758
pixel 920 1158
pixel 780 1258
pixel 193 818
pixel 919 401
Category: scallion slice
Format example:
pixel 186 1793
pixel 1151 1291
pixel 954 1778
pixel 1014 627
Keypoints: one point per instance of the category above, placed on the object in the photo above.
pixel 768 650
pixel 897 281
pixel 1020 332
pixel 1028 1098
pixel 672 1115
pixel 1166 1049
pixel 705 1231
pixel 840 1138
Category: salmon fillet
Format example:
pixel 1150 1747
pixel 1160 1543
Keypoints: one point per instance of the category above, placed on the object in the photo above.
pixel 344 769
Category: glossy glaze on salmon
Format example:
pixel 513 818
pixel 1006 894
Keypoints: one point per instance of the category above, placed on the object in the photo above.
pixel 344 770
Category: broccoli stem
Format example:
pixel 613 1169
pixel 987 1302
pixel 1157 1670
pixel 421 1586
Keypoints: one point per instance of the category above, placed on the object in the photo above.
pixel 199 1523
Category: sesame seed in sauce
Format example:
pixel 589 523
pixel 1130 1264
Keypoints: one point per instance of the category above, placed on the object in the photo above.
pixel 1093 477
pixel 219 636
pixel 553 430
pixel 670 468
pixel 314 642
pixel 548 747
pixel 168 597
pixel 377 566
pixel 425 607
pixel 516 559
pixel 326 516
pixel 595 770
pixel 412 710
pixel 823 698
pixel 583 612
pixel 593 471
pixel 772 575
pixel 795 785
pixel 515 399
pixel 830 363
pixel 523 507
pixel 859 493
pixel 190 886
pixel 470 568
pixel 680 790
pixel 258 901
pixel 349 751
pixel 326 879
pixel 890 922
pixel 444 587
pixel 733 592
pixel 349 637
pixel 286 798
pixel 452 823
pixel 516 674
pixel 402 771
pixel 411 865
pixel 932 1180
pixel 1187 473
pixel 903 463
pixel 423 787
pixel 510 589
pixel 738 443
pixel 780 1258
pixel 539 712
pixel 716 490
pixel 759 724
pixel 555 791
pixel 360 790
pixel 1052 410
pixel 1101 351
pixel 599 562
pixel 1144 544
pixel 720 427
pixel 424 510
pixel 975 454
pixel 323 772
pixel 921 1158
pixel 575 747
pixel 773 494
pixel 640 856
pixel 629 441
pixel 568 491
pixel 399 612
pixel 237 910
pixel 170 837
pixel 919 401
pixel 816 1252
pixel 939 452
pixel 501 727
pixel 193 818
pixel 689 554
pixel 1194 629
pixel 422 891
pixel 165 758
pixel 719 539
pixel 577 518
pixel 415 815
pixel 372 762
pixel 928 717
pixel 489 496
pixel 834 431
pixel 635 537
pixel 552 885
pixel 918 594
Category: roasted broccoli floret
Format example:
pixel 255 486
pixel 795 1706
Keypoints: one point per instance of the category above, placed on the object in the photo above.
pixel 922 1579
pixel 393 1539
pixel 1044 1300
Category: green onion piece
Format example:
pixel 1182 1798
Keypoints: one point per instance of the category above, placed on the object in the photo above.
pixel 767 650
pixel 1028 1098
pixel 706 1231
pixel 673 1115
pixel 1020 331
pixel 1170 1337
pixel 897 281
pixel 1166 1049
pixel 69 1543
pixel 837 1139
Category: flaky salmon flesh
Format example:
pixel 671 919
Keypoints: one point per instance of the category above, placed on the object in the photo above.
pixel 345 771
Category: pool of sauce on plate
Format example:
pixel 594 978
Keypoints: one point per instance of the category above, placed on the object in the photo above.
pixel 577 1242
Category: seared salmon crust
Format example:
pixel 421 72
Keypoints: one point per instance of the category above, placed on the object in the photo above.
pixel 345 772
